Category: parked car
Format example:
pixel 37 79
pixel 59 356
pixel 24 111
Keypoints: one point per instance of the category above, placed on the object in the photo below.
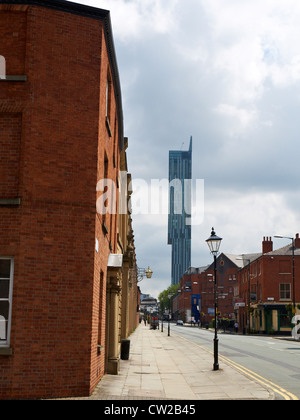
pixel 179 322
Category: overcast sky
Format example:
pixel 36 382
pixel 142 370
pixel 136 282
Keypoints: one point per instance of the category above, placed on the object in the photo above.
pixel 226 72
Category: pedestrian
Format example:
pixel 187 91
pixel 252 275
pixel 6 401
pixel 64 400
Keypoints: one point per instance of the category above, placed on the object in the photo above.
pixel 236 327
pixel 145 322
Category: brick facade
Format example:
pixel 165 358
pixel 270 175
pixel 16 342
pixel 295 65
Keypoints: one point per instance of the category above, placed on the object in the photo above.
pixel 256 289
pixel 227 268
pixel 182 304
pixel 57 140
pixel 200 281
pixel 266 287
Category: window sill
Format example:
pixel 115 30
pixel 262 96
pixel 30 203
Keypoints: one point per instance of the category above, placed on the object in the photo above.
pixel 6 351
pixel 13 79
pixel 10 202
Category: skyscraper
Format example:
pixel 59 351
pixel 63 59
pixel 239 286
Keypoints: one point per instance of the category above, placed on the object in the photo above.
pixel 179 222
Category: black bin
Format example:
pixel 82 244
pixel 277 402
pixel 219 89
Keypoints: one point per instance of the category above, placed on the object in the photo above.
pixel 125 347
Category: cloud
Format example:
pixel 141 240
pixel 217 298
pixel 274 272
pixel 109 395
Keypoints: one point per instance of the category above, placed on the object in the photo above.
pixel 138 20
pixel 242 116
pixel 242 220
pixel 227 73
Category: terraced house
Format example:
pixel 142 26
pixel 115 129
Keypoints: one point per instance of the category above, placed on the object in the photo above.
pixel 269 287
pixel 65 268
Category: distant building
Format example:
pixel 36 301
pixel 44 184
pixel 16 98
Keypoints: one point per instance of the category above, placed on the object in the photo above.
pixel 179 223
pixel 148 305
pixel 266 289
pixel 144 296
pixel 187 303
pixel 260 290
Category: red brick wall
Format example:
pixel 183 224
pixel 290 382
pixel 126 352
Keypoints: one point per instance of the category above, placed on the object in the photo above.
pixel 267 273
pixel 272 275
pixel 13 40
pixel 10 138
pixel 59 292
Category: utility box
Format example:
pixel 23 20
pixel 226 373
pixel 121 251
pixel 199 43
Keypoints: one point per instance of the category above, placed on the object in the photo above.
pixel 125 348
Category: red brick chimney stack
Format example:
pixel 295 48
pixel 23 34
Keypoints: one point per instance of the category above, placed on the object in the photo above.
pixel 297 241
pixel 267 244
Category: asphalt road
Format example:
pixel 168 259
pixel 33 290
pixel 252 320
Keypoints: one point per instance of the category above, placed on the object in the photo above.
pixel 273 362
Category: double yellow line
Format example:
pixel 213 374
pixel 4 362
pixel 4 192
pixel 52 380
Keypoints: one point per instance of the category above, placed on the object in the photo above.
pixel 265 382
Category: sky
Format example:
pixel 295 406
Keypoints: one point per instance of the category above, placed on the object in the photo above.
pixel 227 73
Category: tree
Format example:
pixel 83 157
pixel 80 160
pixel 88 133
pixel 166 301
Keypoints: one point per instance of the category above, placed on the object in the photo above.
pixel 165 302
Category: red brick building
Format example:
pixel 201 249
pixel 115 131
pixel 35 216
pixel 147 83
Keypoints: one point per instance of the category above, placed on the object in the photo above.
pixel 258 290
pixel 186 305
pixel 227 268
pixel 200 281
pixel 266 286
pixel 61 131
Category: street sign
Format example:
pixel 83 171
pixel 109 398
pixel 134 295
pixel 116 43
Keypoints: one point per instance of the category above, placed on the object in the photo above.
pixel 239 303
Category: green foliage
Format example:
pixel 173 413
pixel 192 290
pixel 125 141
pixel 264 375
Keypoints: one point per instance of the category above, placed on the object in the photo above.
pixel 165 302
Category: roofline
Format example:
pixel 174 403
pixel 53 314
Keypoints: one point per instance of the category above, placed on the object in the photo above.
pixel 63 6
pixel 92 13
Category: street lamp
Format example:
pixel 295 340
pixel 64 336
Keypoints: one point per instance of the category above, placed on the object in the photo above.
pixel 162 317
pixel 141 272
pixel 293 253
pixel 214 243
pixel 169 296
pixel 249 291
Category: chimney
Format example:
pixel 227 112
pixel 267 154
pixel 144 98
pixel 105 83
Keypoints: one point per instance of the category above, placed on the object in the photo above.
pixel 267 244
pixel 297 241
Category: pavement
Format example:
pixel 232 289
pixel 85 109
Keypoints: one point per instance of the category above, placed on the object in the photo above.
pixel 162 367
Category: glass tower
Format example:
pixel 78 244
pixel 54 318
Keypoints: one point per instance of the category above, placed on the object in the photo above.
pixel 179 222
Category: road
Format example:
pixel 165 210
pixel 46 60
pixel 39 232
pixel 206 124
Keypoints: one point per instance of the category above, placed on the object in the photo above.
pixel 273 362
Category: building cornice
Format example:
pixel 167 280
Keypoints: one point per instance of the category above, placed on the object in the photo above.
pixel 92 13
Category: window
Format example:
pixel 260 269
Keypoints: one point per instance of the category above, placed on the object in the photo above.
pixel 284 267
pixel 284 319
pixel 285 291
pixel 108 105
pixel 107 98
pixel 2 67
pixel 6 280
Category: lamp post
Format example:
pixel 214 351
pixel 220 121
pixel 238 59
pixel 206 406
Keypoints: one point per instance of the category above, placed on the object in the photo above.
pixel 293 254
pixel 249 290
pixel 214 243
pixel 162 317
pixel 169 296
pixel 141 272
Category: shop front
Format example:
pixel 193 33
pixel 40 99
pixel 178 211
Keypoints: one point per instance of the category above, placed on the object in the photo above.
pixel 271 319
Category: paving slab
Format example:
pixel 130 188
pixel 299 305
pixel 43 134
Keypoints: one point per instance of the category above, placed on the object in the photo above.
pixel 170 368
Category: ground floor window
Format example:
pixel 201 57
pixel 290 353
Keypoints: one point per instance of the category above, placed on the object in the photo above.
pixel 6 280
pixel 284 319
